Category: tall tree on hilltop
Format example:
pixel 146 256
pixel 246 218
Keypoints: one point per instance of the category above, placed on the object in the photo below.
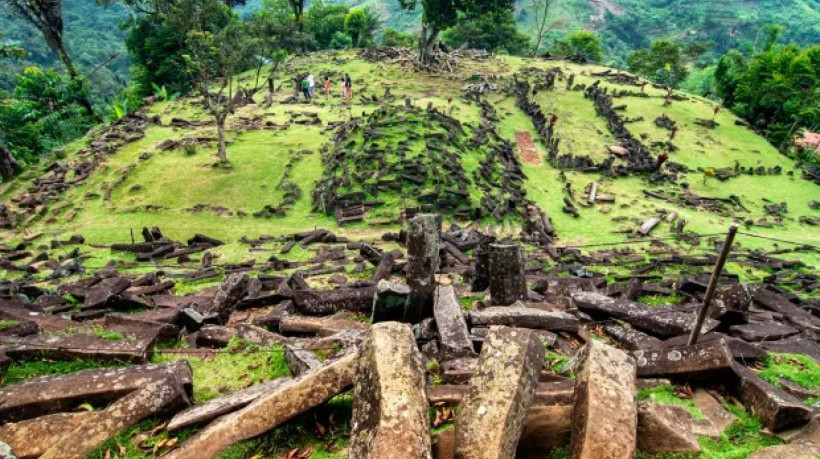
pixel 541 9
pixel 47 17
pixel 215 60
pixel 438 15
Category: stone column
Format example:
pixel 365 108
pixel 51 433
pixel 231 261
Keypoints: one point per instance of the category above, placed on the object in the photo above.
pixel 507 282
pixel 390 408
pixel 423 238
pixel 481 273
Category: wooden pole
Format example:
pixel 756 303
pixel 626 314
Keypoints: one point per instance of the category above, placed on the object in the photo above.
pixel 713 281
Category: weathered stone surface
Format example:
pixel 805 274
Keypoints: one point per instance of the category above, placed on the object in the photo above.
pixel 518 316
pixel 605 416
pixel 714 411
pixel 810 433
pixel 390 410
pixel 300 360
pixel 792 313
pixel 452 327
pixel 423 240
pixel 212 409
pixel 219 336
pixel 324 302
pixel 659 321
pixel 444 444
pixel 791 451
pixel 230 291
pixel 699 361
pixel 30 439
pixel 491 416
pixel 104 292
pixel 323 326
pixel 52 394
pixel 507 281
pixel 271 409
pixel 79 345
pixel 144 328
pixel 162 395
pixel 481 273
pixel 769 331
pixel 391 302
pixel 777 409
pixel 545 428
pixel 630 338
pixel 665 428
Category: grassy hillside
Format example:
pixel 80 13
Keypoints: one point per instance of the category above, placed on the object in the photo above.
pixel 177 190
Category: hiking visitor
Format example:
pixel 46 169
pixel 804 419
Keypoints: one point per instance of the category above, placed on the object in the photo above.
pixel 348 86
pixel 344 89
pixel 327 86
pixel 306 88
pixel 311 84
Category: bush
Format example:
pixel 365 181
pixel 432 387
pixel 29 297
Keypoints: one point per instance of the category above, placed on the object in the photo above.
pixel 392 37
pixel 341 40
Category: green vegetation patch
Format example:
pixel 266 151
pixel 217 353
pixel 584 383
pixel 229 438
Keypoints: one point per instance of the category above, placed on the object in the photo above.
pixel 798 368
pixel 21 371
pixel 240 364
pixel 668 395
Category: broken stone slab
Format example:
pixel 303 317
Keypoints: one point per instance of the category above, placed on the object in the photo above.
pixel 271 409
pixel 518 315
pixel 507 281
pixel 30 439
pixel 491 416
pixel 52 394
pixel 390 409
pixel 545 428
pixel 104 292
pixel 720 417
pixel 228 294
pixel 648 226
pixel 385 267
pixel 741 350
pixel 128 325
pixel 212 409
pixel 324 302
pixel 776 409
pixel 423 240
pixel 300 360
pixel 665 428
pixel 451 325
pixel 481 272
pixel 630 338
pixel 768 331
pixel 605 417
pixel 166 394
pixel 792 313
pixel 79 345
pixel 703 360
pixel 391 302
pixel 218 336
pixel 660 321
pixel 323 326
pixel 790 451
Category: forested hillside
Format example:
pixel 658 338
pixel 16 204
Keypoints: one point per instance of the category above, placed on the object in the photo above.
pixel 96 38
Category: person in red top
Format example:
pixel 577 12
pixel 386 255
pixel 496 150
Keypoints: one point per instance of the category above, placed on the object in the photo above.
pixel 327 86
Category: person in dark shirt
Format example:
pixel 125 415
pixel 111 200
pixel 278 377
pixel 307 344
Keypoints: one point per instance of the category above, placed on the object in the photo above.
pixel 348 86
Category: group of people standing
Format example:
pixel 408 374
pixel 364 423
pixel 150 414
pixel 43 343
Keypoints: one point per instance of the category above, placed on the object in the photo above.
pixel 306 84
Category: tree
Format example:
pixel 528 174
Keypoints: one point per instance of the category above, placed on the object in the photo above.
pixel 777 91
pixel 275 22
pixel 580 43
pixel 541 9
pixel 439 15
pixel 322 21
pixel 493 31
pixel 8 51
pixel 666 61
pixel 361 25
pixel 47 17
pixel 392 37
pixel 215 59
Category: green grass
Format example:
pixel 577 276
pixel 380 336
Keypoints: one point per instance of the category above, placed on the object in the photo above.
pixel 237 366
pixel 556 362
pixel 797 368
pixel 740 439
pixel 7 323
pixel 109 335
pixel 668 396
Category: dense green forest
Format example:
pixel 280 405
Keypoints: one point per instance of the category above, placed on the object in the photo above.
pixel 96 38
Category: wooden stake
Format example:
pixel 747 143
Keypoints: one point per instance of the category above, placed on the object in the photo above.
pixel 710 290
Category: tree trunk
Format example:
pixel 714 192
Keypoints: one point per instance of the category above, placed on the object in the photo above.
pixel 8 165
pixel 221 149
pixel 426 44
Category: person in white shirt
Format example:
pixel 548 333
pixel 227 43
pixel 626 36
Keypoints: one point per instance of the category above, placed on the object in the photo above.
pixel 311 84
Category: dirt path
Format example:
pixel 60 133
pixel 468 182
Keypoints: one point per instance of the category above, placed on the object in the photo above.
pixel 526 148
